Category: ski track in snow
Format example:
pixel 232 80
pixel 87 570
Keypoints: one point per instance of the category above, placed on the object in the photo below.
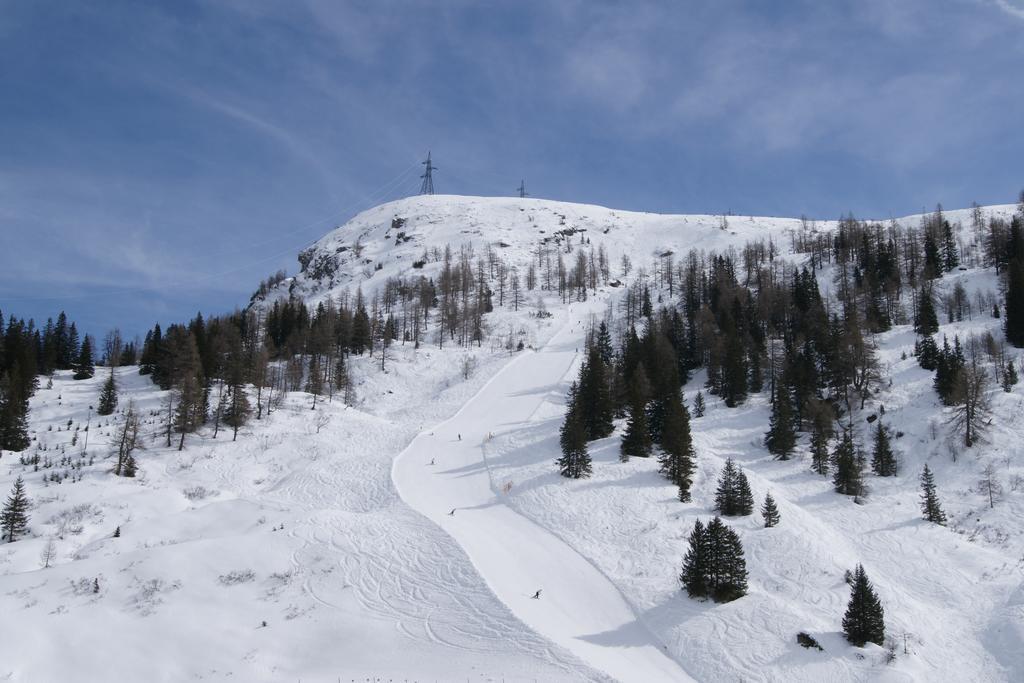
pixel 580 608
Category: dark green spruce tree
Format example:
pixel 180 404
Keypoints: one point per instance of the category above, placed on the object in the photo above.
pixel 846 466
pixel 594 397
pixel 930 506
pixel 575 460
pixel 636 440
pixel 677 458
pixel 698 404
pixel 695 563
pixel 883 460
pixel 780 440
pixel 1014 306
pixel 864 621
pixel 108 396
pixel 926 322
pixel 733 497
pixel 821 432
pixel 84 367
pixel 770 511
pixel 714 565
pixel 14 517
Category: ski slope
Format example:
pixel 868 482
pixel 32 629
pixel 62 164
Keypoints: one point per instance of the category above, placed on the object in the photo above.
pixel 445 469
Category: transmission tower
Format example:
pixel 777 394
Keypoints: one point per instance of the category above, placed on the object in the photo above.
pixel 522 189
pixel 427 187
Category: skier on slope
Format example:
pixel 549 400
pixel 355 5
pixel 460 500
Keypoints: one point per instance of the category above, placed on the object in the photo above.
pixel 536 596
pixel 452 513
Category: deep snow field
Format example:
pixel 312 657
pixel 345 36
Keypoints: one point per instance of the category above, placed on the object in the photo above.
pixel 340 540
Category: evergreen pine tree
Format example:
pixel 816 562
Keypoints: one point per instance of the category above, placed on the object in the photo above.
pixel 695 563
pixel 84 368
pixel 594 397
pixel 14 517
pixel 933 261
pixel 950 252
pixel 927 352
pixel 926 322
pixel 744 498
pixel 781 436
pixel 604 343
pixel 727 568
pixel 108 396
pixel 636 441
pixel 1009 377
pixel 883 460
pixel 864 621
pixel 726 494
pixel 821 432
pixel 770 511
pixel 929 499
pixel 575 460
pixel 847 474
pixel 698 404
pixel 677 459
pixel 1014 305
pixel 14 405
pixel 714 565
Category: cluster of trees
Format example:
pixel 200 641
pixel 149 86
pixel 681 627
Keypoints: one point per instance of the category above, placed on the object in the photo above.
pixel 27 352
pixel 714 565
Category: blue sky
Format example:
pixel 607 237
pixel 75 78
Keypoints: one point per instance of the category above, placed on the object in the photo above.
pixel 161 158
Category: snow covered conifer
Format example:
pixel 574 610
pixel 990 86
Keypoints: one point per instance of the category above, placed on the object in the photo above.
pixel 733 496
pixel 744 498
pixel 1009 377
pixel 714 565
pixel 821 432
pixel 84 368
pixel 927 352
pixel 575 460
pixel 883 460
pixel 108 396
pixel 695 563
pixel 725 494
pixel 847 475
pixel 864 621
pixel 929 499
pixel 1014 305
pixel 14 517
pixel 780 440
pixel 677 460
pixel 698 404
pixel 594 397
pixel 926 322
pixel 727 569
pixel 604 343
pixel 636 441
pixel 770 511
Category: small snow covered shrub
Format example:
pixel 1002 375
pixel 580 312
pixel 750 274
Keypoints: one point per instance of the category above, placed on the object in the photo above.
pixel 237 576
pixel 198 492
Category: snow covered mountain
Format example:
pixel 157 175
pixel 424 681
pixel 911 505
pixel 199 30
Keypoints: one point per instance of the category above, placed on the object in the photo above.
pixel 322 545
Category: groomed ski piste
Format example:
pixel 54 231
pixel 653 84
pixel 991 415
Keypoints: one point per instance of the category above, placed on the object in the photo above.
pixel 319 545
pixel 578 607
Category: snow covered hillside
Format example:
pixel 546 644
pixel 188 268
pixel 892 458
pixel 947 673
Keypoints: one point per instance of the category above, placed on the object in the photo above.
pixel 402 538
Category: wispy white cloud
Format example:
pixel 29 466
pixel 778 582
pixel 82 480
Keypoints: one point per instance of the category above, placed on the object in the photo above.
pixel 1012 7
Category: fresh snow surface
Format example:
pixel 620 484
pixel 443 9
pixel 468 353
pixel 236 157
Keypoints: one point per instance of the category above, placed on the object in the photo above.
pixel 340 539
pixel 579 607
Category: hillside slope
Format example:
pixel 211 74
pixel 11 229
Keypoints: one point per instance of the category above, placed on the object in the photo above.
pixel 325 557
